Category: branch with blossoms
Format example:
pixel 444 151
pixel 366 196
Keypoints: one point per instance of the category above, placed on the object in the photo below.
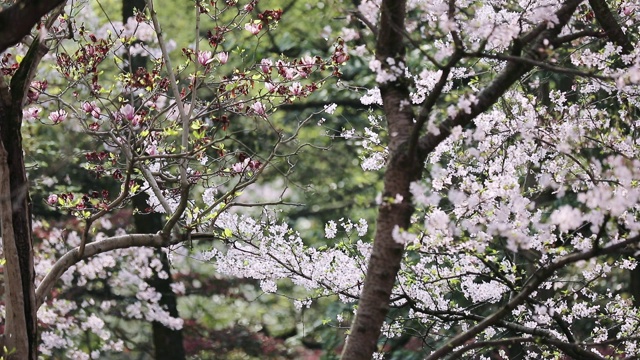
pixel 94 248
pixel 269 251
pixel 522 170
pixel 532 285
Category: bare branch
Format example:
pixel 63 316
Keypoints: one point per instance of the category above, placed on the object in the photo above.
pixel 174 89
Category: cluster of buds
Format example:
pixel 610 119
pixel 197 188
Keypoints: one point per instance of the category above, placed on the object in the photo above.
pixel 266 18
pixel 36 88
pixel 94 198
pixel 8 64
pixel 91 108
pixel 340 55
pixel 96 156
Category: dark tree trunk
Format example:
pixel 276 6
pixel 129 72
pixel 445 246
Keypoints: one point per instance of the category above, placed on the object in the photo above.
pixel 634 284
pixel 402 169
pixel 11 141
pixel 167 342
pixel 18 20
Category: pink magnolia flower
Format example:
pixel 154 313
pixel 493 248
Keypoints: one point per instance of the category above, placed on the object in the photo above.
pixel 290 73
pixel 88 106
pixel 296 89
pixel 32 95
pixel 253 28
pixel 308 61
pixel 259 109
pixel 265 65
pixel 286 70
pixel 271 87
pixel 205 58
pixel 136 121
pixel 223 57
pixel 152 149
pixel 340 57
pixel 239 166
pixel 52 199
pixel 91 108
pixel 128 112
pixel 255 164
pixel 31 114
pixel 58 116
pixel 246 164
pixel 306 65
pixel 36 88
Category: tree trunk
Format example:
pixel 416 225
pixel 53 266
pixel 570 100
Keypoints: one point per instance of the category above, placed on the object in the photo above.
pixel 167 342
pixel 20 328
pixel 396 209
pixel 406 163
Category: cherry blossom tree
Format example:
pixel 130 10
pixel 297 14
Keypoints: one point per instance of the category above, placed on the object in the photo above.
pixel 508 221
pixel 502 239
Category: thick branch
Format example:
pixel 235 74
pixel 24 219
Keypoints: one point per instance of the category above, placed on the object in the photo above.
pixel 609 24
pixel 17 21
pixel 72 257
pixel 512 72
pixel 21 80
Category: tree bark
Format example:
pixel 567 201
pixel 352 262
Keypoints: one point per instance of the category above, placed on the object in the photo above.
pixel 402 169
pixel 15 336
pixel 18 20
pixel 21 328
pixel 20 331
pixel 610 25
